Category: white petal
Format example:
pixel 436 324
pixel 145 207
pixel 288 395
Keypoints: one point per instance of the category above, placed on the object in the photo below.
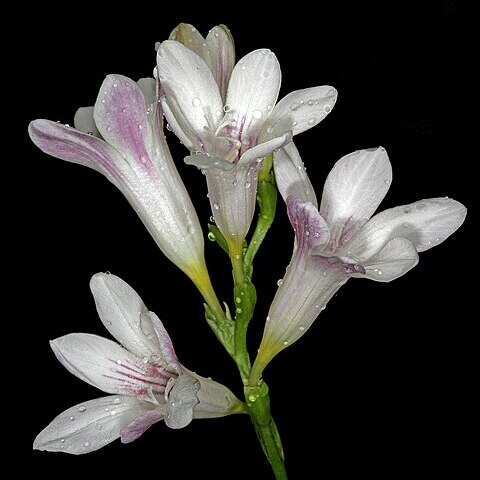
pixel 426 223
pixel 189 85
pixel 109 367
pixel 189 36
pixel 290 175
pixel 177 121
pixel 354 188
pixel 148 87
pixel 263 149
pixel 301 110
pixel 91 425
pixel 222 50
pixel 253 90
pixel 141 423
pixel 232 193
pixel 126 317
pixel 83 121
pixel 395 259
pixel 181 401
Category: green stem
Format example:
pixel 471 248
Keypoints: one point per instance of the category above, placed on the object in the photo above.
pixel 258 403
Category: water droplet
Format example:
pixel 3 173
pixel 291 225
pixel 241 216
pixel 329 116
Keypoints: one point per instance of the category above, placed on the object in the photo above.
pixel 227 108
pixel 82 408
pixel 211 236
pixel 252 397
pixel 301 328
pixel 106 409
pixel 269 107
pixel 216 34
pixel 310 103
pixel 247 184
pixel 140 126
pixel 116 401
pixel 300 167
pixel 196 102
pixel 103 101
pixel 62 440
pixel 279 282
pixel 312 121
pixel 268 318
pixel 316 234
pixel 379 272
pixel 307 233
pixel 234 183
pixel 438 239
pixel 119 362
pixel 243 67
pixel 72 419
pixel 169 127
pixel 216 206
pixel 237 256
pixel 269 129
pixel 109 128
pixel 387 181
pixel 113 412
pixel 294 124
pixel 294 106
pixel 257 114
pixel 238 299
pixel 285 342
pixel 238 310
pixel 327 109
pixel 86 444
pixel 145 359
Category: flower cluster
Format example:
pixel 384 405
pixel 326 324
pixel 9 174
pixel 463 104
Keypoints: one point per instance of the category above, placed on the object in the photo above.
pixel 228 116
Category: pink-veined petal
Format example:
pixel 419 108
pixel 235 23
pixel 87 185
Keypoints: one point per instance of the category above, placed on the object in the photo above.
pixel 311 230
pixel 77 147
pixel 253 91
pixel 120 114
pixel 290 175
pixel 426 223
pixel 91 425
pixel 189 90
pixel 126 317
pixel 222 50
pixel 110 367
pixel 83 121
pixel 353 190
pixel 395 259
pixel 141 424
pixel 300 110
pixel 182 399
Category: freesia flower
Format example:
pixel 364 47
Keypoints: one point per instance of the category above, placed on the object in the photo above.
pixel 122 138
pixel 230 135
pixel 341 241
pixel 146 381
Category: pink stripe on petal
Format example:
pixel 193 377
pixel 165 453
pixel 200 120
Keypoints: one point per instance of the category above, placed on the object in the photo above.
pixel 140 425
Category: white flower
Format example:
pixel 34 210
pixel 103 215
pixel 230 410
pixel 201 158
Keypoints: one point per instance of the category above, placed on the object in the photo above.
pixel 340 240
pixel 144 377
pixel 122 138
pixel 230 134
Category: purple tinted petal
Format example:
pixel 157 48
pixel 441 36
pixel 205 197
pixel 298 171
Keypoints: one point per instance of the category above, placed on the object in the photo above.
pixel 140 425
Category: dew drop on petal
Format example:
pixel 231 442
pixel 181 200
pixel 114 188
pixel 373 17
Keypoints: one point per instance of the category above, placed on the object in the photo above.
pixel 279 282
pixel 301 328
pixel 294 124
pixel 239 310
pixel 285 342
pixel 312 121
pixel 62 440
pixel 257 114
pixel 294 106
pixel 387 182
pixel 196 102
pixel 268 319
pixel 140 126
pixel 327 109
pixel 109 128
pixel 119 362
pixel 86 444
pixel 247 184
pixel 117 400
pixel 72 419
pixel 169 127
pixel 113 412
pixel 211 236
pixel 216 206
pixel 227 108
pixel 82 408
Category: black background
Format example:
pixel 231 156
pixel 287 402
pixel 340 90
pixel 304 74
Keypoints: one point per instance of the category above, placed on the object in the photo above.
pixel 381 384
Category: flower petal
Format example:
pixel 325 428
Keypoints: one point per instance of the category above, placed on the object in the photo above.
pixel 426 223
pixel 189 36
pixel 222 50
pixel 300 110
pixel 290 175
pixel 310 228
pixel 120 114
pixel 354 188
pixel 182 399
pixel 215 400
pixel 263 149
pixel 91 425
pixel 395 259
pixel 141 424
pixel 191 90
pixel 77 147
pixel 126 317
pixel 109 367
pixel 232 194
pixel 253 91
pixel 148 88
pixel 83 121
